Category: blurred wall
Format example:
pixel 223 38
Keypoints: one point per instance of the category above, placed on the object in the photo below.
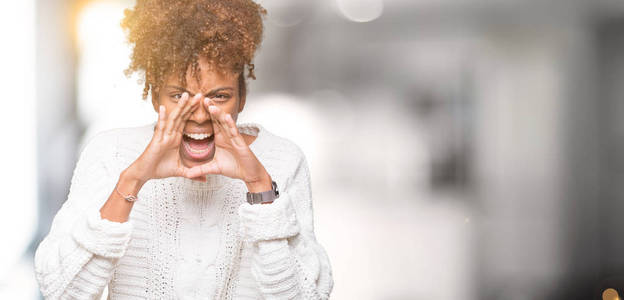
pixel 58 130
pixel 458 149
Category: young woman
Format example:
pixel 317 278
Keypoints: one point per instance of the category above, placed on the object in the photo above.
pixel 194 206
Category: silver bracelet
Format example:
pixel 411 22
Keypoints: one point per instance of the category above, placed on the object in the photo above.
pixel 129 198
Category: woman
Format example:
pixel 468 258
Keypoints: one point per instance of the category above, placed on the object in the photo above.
pixel 161 211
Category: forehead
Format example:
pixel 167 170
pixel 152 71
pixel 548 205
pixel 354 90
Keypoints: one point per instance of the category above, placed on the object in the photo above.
pixel 209 78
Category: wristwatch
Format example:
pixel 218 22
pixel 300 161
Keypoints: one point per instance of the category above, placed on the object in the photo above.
pixel 264 197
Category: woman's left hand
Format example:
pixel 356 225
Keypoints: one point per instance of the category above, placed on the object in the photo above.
pixel 232 157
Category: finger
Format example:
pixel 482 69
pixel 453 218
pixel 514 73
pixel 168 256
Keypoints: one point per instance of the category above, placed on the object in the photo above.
pixel 210 168
pixel 229 125
pixel 184 172
pixel 173 121
pixel 190 108
pixel 207 168
pixel 175 114
pixel 185 114
pixel 160 126
pixel 200 178
pixel 179 126
pixel 217 115
pixel 237 138
pixel 213 110
pixel 176 121
pixel 223 122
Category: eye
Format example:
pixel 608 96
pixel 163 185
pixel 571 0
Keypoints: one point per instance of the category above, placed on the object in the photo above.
pixel 221 97
pixel 176 97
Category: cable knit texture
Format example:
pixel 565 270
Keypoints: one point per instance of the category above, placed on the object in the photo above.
pixel 185 239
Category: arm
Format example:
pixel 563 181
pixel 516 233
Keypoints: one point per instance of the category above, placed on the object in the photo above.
pixel 91 231
pixel 77 258
pixel 288 261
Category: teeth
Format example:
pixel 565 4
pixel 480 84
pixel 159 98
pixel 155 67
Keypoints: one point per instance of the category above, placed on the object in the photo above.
pixel 198 136
pixel 198 151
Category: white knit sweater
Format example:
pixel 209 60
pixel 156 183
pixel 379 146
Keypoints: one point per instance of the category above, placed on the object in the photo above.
pixel 185 239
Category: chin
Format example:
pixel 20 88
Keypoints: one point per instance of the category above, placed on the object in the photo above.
pixel 190 162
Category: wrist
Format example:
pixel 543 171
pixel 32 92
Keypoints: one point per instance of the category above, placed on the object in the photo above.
pixel 131 181
pixel 134 174
pixel 261 185
pixel 117 209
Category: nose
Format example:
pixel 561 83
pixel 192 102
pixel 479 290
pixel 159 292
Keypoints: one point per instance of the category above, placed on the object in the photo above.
pixel 201 114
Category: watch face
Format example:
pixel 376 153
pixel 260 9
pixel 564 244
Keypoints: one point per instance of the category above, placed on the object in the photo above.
pixel 275 188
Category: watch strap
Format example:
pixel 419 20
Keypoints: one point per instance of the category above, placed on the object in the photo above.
pixel 264 197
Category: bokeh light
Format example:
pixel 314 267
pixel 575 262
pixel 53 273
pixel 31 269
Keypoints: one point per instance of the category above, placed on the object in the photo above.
pixel 360 10
pixel 106 97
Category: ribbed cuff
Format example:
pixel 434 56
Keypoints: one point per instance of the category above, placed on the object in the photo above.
pixel 274 269
pixel 261 222
pixel 102 237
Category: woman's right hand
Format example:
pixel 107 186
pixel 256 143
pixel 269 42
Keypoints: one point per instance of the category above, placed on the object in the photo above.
pixel 161 158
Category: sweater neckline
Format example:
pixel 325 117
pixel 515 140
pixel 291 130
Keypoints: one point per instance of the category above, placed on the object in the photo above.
pixel 214 181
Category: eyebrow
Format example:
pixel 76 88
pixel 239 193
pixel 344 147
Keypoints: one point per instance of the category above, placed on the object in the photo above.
pixel 206 95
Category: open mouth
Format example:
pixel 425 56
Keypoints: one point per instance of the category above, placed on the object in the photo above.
pixel 198 146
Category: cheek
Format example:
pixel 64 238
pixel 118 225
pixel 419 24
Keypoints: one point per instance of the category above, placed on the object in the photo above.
pixel 169 106
pixel 233 111
pixel 230 107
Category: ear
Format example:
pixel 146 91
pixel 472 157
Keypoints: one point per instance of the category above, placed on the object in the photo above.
pixel 243 99
pixel 155 102
pixel 242 91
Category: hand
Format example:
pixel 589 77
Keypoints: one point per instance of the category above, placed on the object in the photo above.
pixel 232 157
pixel 161 158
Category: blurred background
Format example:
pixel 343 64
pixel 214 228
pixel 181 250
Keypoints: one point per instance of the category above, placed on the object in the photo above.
pixel 459 149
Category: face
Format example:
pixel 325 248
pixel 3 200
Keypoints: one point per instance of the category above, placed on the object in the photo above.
pixel 222 90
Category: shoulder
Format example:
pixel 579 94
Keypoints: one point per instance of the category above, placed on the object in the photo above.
pixel 280 155
pixel 285 147
pixel 271 145
pixel 114 143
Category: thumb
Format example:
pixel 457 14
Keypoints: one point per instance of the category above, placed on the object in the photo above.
pixel 199 178
pixel 210 167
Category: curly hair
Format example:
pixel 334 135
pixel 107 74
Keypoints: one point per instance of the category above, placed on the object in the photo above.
pixel 169 36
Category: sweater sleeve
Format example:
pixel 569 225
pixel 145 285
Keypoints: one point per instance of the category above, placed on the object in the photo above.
pixel 287 261
pixel 78 256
